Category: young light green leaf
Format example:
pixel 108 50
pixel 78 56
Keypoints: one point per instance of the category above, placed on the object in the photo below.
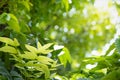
pixel 7 41
pixel 46 46
pixel 31 48
pixel 28 55
pixel 67 53
pixel 45 70
pixel 32 64
pixel 43 51
pixel 29 63
pixel 8 49
pixel 39 45
pixel 16 42
pixel 40 67
pixel 44 60
pixel 62 57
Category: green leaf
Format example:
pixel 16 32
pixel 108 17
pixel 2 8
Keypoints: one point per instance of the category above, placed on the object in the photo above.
pixel 28 55
pixel 64 56
pixel 44 60
pixel 13 17
pixel 15 74
pixel 20 66
pixel 112 46
pixel 30 63
pixel 3 18
pixel 9 41
pixel 40 67
pixel 66 4
pixel 39 45
pixel 31 48
pixel 46 46
pixel 67 53
pixel 26 4
pixel 113 75
pixel 11 20
pixel 8 49
pixel 43 51
pixel 13 23
pixel 16 42
pixel 117 44
pixel 45 70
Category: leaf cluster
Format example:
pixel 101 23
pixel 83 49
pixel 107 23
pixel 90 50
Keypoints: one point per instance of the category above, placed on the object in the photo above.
pixel 33 62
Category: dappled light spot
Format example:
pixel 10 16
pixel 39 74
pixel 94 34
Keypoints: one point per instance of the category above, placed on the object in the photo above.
pixel 90 66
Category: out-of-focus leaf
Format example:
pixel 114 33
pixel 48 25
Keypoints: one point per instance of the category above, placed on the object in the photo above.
pixel 66 4
pixel 67 54
pixel 113 75
pixel 26 4
pixel 2 2
pixel 13 23
pixel 117 44
pixel 12 16
pixel 8 49
pixel 16 74
pixel 4 72
pixel 11 20
pixel 3 18
pixel 64 56
pixel 110 49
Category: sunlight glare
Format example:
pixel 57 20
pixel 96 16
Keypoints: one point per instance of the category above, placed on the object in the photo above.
pixel 90 66
pixel 101 4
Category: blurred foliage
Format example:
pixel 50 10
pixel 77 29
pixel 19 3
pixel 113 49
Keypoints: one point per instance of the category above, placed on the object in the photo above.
pixel 84 27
